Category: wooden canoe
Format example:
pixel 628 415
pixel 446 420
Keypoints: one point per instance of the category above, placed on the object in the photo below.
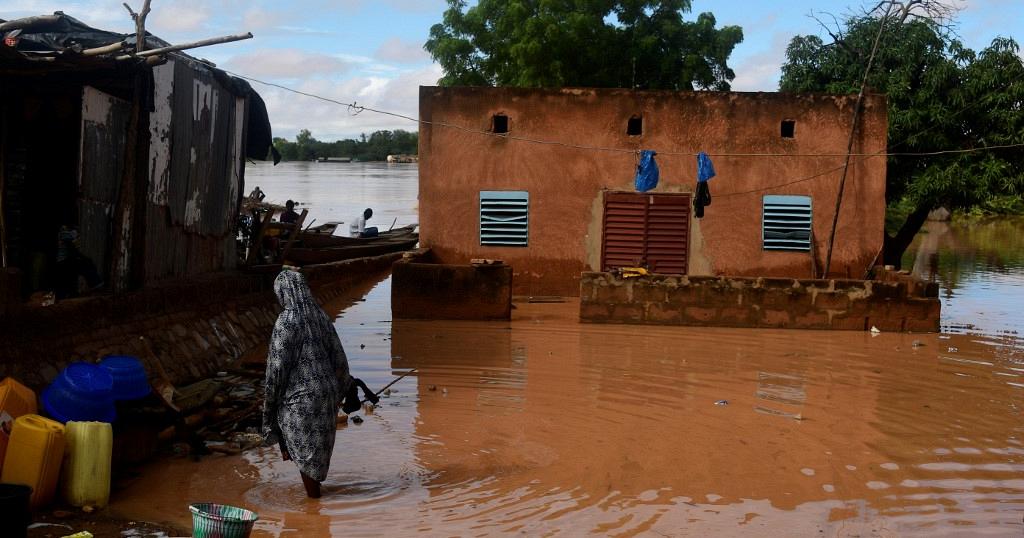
pixel 311 239
pixel 310 256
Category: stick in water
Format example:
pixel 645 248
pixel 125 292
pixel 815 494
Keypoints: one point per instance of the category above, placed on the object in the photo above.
pixel 396 380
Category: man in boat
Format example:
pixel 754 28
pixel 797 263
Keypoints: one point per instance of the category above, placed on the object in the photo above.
pixel 289 216
pixel 358 227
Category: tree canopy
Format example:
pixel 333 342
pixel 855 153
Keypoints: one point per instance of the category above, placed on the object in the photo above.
pixel 375 147
pixel 941 96
pixel 593 43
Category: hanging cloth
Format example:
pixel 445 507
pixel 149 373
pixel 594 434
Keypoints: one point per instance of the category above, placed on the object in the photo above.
pixel 702 197
pixel 646 171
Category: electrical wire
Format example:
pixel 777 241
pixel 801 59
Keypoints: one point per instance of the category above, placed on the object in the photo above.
pixel 357 108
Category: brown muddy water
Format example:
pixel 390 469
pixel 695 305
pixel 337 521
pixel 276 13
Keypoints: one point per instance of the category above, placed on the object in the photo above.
pixel 546 427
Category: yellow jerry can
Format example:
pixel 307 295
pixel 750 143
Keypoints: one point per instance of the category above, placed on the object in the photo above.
pixel 34 456
pixel 15 400
pixel 85 477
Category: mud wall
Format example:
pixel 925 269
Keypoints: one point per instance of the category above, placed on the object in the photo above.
pixel 195 327
pixel 566 182
pixel 440 291
pixel 890 303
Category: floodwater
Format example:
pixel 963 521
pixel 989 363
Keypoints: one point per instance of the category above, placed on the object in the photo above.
pixel 543 426
pixel 341 191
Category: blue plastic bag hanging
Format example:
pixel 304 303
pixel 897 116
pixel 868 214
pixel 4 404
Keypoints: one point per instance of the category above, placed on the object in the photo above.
pixel 646 171
pixel 702 195
pixel 705 170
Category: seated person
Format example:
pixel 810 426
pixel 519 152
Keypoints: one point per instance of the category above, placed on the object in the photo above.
pixel 289 216
pixel 358 227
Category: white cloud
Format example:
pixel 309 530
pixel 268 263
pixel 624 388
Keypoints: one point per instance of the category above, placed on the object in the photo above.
pixel 399 50
pixel 761 71
pixel 286 63
pixel 183 16
pixel 328 121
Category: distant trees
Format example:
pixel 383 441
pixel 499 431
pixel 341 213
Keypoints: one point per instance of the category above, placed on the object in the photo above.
pixel 375 147
pixel 607 43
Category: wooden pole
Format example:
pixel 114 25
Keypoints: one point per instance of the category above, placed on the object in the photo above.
pixel 106 49
pixel 849 143
pixel 293 236
pixel 185 46
pixel 3 214
pixel 28 22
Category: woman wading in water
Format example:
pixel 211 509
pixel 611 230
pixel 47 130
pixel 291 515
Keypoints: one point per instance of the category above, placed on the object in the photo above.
pixel 307 380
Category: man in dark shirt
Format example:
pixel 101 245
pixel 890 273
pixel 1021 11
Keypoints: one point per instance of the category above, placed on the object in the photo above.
pixel 289 216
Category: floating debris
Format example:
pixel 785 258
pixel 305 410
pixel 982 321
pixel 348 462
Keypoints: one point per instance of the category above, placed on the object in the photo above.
pixel 357 420
pixel 917 343
pixel 722 402
pixel 432 388
pixel 874 330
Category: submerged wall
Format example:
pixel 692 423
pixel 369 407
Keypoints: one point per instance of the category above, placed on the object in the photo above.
pixel 567 182
pixel 892 302
pixel 196 327
pixel 440 291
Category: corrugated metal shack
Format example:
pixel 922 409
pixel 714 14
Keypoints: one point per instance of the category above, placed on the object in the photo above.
pixel 144 157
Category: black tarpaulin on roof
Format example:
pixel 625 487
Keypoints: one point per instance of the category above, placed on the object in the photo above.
pixel 63 33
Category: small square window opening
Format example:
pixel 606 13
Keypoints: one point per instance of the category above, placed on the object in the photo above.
pixel 788 128
pixel 635 126
pixel 499 124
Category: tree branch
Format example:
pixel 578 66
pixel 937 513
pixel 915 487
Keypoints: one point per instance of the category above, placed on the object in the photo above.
pixel 140 24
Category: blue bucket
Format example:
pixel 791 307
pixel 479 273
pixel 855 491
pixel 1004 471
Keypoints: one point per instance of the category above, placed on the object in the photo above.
pixel 81 392
pixel 130 381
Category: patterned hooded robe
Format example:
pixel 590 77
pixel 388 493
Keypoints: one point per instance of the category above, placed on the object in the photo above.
pixel 303 392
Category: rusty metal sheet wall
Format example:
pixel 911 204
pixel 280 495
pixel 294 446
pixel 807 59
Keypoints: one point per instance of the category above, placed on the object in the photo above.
pixel 104 132
pixel 195 174
pixel 646 229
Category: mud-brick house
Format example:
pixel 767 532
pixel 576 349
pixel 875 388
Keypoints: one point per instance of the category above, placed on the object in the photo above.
pixel 544 180
pixel 145 158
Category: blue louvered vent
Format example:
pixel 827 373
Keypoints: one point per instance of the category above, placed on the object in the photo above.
pixel 786 223
pixel 504 218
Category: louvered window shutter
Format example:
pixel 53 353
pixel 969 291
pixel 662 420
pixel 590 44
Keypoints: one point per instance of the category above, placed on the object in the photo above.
pixel 786 223
pixel 504 218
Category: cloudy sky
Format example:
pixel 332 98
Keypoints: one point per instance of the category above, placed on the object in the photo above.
pixel 371 51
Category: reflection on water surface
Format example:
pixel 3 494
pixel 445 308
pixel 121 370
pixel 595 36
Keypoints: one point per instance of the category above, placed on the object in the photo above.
pixel 544 426
pixel 550 427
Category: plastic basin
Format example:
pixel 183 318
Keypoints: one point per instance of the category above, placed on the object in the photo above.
pixel 130 380
pixel 82 392
pixel 211 520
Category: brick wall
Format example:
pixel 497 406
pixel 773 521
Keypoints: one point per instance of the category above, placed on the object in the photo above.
pixel 443 291
pixel 891 302
pixel 195 327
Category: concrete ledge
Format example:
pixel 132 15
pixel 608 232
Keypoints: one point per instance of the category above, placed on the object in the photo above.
pixel 442 291
pixel 891 302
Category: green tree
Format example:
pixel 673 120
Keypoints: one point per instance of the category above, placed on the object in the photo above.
pixel 594 43
pixel 941 95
